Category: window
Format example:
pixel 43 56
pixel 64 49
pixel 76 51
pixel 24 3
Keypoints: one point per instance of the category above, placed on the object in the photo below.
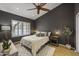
pixel 20 28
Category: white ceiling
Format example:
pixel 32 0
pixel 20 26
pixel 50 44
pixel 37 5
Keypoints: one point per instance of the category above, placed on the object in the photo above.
pixel 21 9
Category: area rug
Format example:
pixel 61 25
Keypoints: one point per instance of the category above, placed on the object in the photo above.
pixel 45 51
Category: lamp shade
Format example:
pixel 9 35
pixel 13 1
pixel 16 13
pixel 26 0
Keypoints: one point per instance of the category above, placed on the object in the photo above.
pixel 57 32
pixel 5 27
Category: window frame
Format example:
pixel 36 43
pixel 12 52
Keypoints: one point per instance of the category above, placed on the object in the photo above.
pixel 22 30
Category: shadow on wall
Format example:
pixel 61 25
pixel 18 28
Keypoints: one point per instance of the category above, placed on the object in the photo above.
pixel 4 34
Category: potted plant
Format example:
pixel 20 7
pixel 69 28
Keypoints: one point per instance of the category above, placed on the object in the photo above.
pixel 67 33
pixel 6 46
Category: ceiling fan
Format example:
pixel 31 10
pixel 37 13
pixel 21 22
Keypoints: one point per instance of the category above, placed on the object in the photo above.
pixel 39 7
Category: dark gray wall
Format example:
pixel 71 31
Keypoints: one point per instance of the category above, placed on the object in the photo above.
pixel 56 19
pixel 5 19
pixel 76 8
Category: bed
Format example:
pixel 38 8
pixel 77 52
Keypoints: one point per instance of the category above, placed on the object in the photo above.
pixel 34 42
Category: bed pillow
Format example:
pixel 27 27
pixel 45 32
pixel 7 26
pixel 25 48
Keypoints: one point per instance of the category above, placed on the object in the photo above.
pixel 44 33
pixel 40 35
pixel 48 33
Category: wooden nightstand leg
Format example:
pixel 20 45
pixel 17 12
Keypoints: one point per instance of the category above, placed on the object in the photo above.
pixel 50 41
pixel 57 43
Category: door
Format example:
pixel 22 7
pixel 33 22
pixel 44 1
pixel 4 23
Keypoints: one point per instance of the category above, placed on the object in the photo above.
pixel 77 32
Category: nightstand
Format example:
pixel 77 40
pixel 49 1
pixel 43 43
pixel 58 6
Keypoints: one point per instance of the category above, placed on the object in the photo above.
pixel 55 39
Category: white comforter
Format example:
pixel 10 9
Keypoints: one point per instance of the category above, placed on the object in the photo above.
pixel 33 42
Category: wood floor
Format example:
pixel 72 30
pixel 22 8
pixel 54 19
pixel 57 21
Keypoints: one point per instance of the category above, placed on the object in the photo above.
pixel 63 51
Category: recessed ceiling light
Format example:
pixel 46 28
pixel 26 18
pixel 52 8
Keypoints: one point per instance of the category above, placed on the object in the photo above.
pixel 17 8
pixel 33 15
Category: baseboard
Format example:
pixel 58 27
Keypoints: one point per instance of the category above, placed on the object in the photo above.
pixel 61 45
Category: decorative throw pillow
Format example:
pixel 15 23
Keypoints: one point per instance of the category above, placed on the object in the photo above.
pixel 42 34
pixel 38 35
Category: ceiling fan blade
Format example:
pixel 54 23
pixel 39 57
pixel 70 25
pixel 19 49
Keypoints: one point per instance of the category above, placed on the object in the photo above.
pixel 44 9
pixel 31 9
pixel 42 4
pixel 34 4
pixel 38 11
